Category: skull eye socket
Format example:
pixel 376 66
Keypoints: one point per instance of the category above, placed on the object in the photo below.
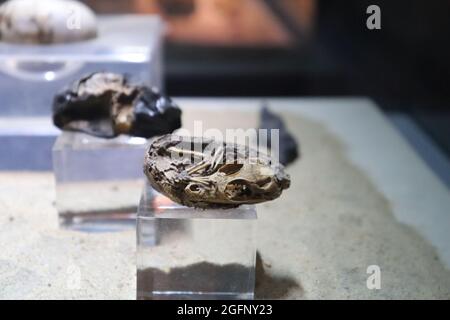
pixel 231 168
pixel 238 190
pixel 194 187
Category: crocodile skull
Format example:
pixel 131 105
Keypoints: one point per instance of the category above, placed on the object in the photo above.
pixel 203 173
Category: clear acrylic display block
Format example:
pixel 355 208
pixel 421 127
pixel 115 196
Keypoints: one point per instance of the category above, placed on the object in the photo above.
pixel 98 181
pixel 130 44
pixel 187 253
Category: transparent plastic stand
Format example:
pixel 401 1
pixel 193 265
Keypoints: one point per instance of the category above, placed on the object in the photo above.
pixel 130 44
pixel 98 181
pixel 187 253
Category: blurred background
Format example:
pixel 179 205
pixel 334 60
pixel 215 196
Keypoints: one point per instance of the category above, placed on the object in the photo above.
pixel 311 48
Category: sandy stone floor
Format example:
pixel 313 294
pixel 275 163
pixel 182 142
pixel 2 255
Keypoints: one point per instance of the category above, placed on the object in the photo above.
pixel 315 242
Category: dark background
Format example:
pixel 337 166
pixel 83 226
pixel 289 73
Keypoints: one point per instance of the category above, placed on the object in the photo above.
pixel 404 66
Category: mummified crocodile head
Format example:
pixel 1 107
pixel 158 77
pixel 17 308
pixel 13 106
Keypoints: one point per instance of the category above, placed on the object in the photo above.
pixel 204 173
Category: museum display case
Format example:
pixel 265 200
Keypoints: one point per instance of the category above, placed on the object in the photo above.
pixel 224 150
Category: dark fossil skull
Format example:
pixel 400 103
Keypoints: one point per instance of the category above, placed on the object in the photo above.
pixel 106 105
pixel 203 173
